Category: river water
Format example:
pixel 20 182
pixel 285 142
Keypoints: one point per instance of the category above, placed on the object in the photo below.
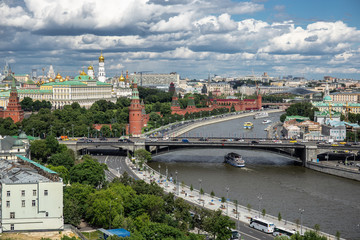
pixel 332 202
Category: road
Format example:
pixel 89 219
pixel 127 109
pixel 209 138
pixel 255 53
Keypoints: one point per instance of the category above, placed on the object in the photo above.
pixel 117 166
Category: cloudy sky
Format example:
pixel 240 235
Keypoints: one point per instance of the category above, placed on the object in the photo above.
pixel 310 38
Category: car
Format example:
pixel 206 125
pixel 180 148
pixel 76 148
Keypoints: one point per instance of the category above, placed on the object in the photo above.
pixel 174 139
pixel 240 140
pixel 185 140
pixel 89 140
pixel 348 145
pixel 293 141
pixel 165 138
pixel 304 141
pixel 342 143
pixel 334 145
pixel 254 142
pixel 203 139
pixel 103 138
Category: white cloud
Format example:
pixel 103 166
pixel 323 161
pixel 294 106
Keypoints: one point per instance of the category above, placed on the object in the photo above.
pixel 118 66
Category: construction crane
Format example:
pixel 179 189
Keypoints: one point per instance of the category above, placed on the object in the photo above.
pixel 348 110
pixel 141 73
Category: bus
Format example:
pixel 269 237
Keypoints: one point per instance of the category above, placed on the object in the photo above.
pixel 262 225
pixel 279 231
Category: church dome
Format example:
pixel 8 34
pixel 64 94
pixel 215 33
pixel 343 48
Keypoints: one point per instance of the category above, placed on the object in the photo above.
pixel 22 135
pixel 121 78
pixel 51 80
pixel 327 98
pixel 101 58
pixel 83 73
pixel 90 68
pixel 58 76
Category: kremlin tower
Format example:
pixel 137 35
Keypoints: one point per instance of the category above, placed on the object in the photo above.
pixel 101 73
pixel 13 109
pixel 135 112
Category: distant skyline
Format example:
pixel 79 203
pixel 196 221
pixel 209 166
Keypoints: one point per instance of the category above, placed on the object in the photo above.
pixel 190 37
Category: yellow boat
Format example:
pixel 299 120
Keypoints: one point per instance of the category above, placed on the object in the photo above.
pixel 248 125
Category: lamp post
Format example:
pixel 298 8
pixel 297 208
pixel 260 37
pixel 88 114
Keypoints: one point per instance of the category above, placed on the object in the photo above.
pixel 159 172
pixel 176 172
pixel 301 213
pixel 115 130
pixel 68 132
pixel 200 188
pixel 72 129
pixel 33 131
pixel 260 198
pixel 88 128
pixel 166 176
pixel 227 203
pixel 63 131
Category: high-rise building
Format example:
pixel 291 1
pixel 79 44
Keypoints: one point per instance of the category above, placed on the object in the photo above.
pixel 101 73
pixel 51 72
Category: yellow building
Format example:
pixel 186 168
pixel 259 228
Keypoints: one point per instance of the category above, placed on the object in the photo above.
pixel 60 92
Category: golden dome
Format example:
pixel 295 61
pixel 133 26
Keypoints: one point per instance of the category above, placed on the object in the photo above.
pixel 58 76
pixel 67 78
pixel 121 78
pixel 83 73
pixel 90 68
pixel 42 82
pixel 101 58
pixel 51 80
pixel 61 79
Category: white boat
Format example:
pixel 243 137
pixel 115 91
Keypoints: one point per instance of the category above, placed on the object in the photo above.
pixel 234 159
pixel 266 121
pixel 261 115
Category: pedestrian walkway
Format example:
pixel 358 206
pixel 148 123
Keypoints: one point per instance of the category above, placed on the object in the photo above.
pixel 236 212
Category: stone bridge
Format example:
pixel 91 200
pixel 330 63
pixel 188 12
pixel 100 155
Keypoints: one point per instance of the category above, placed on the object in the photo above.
pixel 303 152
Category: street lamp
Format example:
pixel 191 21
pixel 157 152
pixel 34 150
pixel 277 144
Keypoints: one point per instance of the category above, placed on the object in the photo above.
pixel 176 184
pixel 33 131
pixel 68 132
pixel 63 131
pixel 72 128
pixel 88 128
pixel 301 212
pixel 260 198
pixel 227 203
pixel 166 176
pixel 159 172
pixel 200 188
pixel 115 132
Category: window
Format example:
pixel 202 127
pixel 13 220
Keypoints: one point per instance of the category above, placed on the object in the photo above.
pixel 8 193
pixel 22 203
pixel 33 203
pixel 7 203
pixel 12 228
pixel 34 192
pixel 12 214
pixel 45 192
pixel 23 193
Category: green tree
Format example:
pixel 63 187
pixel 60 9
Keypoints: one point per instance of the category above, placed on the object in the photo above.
pixel 62 159
pixel 219 226
pixel 142 156
pixel 39 150
pixel 263 212
pixel 337 235
pixel 88 172
pixel 279 217
pixel 62 171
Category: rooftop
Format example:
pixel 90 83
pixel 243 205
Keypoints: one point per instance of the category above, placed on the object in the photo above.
pixel 25 170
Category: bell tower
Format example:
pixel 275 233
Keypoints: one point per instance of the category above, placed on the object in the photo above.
pixel 101 73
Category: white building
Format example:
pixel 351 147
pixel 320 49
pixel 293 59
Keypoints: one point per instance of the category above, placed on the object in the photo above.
pixel 101 73
pixel 31 196
pixel 51 72
pixel 90 71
